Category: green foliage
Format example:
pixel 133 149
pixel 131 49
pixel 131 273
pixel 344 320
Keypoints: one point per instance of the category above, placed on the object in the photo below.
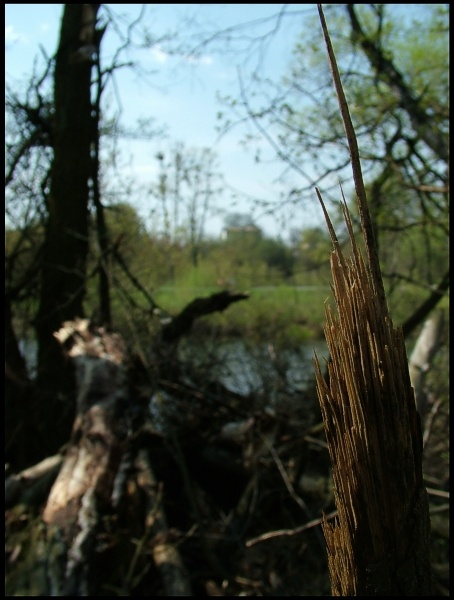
pixel 264 266
pixel 428 71
pixel 277 256
pixel 313 248
pixel 283 315
pixel 398 96
pixel 398 163
pixel 270 269
pixel 123 220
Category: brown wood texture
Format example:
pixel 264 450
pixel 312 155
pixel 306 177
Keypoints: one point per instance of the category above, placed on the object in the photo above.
pixel 106 477
pixel 379 543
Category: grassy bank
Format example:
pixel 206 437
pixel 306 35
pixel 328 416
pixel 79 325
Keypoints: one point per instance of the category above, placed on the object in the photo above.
pixel 283 313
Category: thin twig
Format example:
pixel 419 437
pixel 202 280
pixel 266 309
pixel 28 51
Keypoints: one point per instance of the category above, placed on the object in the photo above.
pixel 288 532
pixel 430 420
pixel 291 489
pixel 285 477
pixel 438 493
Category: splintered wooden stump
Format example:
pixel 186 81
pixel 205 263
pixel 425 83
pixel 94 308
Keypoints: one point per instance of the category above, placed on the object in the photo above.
pixel 379 544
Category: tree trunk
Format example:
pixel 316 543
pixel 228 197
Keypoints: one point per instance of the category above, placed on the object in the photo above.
pixel 102 233
pixel 21 444
pixel 426 346
pixel 66 236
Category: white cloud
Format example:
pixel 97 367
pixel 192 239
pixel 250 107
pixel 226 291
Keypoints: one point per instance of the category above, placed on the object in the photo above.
pixel 161 56
pixel 158 54
pixel 200 60
pixel 11 36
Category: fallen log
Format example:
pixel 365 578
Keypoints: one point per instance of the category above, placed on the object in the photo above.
pixel 106 478
pixel 142 510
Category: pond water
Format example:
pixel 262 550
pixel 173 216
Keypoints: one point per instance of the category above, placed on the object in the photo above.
pixel 241 366
pixel 29 350
pixel 245 368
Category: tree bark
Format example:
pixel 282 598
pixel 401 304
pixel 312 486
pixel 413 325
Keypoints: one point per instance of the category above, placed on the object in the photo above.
pixel 106 482
pixel 21 444
pixel 66 234
pixel 426 346
pixel 379 545
pixel 102 233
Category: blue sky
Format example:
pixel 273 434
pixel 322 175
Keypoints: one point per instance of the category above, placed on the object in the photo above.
pixel 180 95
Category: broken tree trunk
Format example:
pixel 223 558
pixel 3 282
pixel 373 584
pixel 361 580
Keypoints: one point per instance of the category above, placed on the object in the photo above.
pixel 379 544
pixel 105 508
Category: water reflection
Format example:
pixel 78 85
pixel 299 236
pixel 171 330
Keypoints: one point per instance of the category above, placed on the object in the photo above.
pixel 260 368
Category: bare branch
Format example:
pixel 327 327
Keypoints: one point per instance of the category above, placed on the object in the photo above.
pixel 199 307
pixel 386 70
pixel 289 532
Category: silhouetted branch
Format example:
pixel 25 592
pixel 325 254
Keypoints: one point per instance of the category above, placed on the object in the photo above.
pixel 427 306
pixel 199 307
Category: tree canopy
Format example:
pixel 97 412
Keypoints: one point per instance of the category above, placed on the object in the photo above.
pixel 398 95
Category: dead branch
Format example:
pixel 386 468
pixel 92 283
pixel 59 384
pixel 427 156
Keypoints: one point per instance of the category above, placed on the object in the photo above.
pixel 164 551
pixel 366 221
pixel 32 485
pixel 199 307
pixel 289 532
